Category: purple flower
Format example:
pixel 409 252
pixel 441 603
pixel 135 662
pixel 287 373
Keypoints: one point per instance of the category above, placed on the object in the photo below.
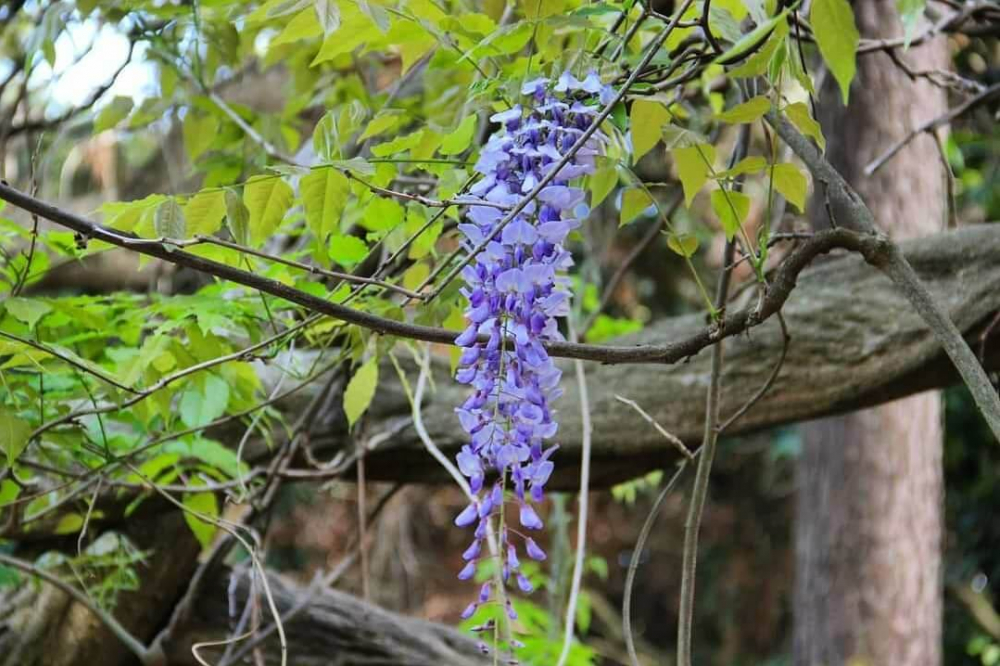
pixel 516 289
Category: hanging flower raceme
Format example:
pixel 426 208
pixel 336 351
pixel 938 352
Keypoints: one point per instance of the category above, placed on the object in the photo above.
pixel 516 289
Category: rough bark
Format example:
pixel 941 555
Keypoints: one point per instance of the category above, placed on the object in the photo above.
pixel 868 530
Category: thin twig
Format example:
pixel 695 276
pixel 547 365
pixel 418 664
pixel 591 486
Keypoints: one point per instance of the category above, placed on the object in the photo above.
pixel 581 518
pixel 633 562
pixel 678 444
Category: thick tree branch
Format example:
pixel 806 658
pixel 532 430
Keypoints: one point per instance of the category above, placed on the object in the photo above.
pixel 852 212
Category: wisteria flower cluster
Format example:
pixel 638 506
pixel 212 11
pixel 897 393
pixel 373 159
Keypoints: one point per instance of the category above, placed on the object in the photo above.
pixel 516 289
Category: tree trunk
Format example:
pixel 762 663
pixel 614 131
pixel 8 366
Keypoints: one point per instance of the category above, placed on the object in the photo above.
pixel 868 537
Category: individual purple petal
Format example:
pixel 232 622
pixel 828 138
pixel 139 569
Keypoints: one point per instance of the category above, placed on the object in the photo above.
pixel 469 611
pixel 472 552
pixel 468 516
pixel 534 552
pixel 468 571
pixel 529 518
pixel 524 584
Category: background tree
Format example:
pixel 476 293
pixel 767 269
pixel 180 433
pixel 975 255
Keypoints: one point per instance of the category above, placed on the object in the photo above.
pixel 870 485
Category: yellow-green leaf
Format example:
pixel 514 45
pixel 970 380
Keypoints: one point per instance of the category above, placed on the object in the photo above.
pixel 199 131
pixel 382 214
pixel 69 524
pixel 694 166
pixel 324 195
pixel 459 140
pixel 204 212
pixel 752 164
pixel 302 26
pixel 8 492
pixel 415 275
pixel 747 112
pixel 360 391
pixel 792 184
pixel 237 218
pixel 837 37
pixel 731 208
pixel 683 244
pixel 799 114
pixel 601 183
pixel 206 504
pixel 14 434
pixel 757 63
pixel 112 113
pixel 646 121
pixel 634 202
pixel 268 199
pixel 383 122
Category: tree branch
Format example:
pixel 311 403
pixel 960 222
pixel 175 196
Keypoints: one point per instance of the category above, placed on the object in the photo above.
pixel 783 282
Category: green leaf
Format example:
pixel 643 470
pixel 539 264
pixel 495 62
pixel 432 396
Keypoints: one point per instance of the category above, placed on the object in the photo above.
pixel 347 250
pixel 910 12
pixel 634 202
pixel 837 37
pixel 8 492
pixel 206 504
pixel 328 14
pixel 646 121
pixel 14 434
pixel 683 244
pixel 200 130
pixel 203 402
pixel 26 310
pixel 237 218
pixel 168 221
pixel 459 140
pixel 204 212
pixel 747 112
pixel 112 113
pixel 792 184
pixel 752 164
pixel 324 195
pixel 268 199
pixel 360 391
pixel 694 166
pixel 731 208
pixel 799 114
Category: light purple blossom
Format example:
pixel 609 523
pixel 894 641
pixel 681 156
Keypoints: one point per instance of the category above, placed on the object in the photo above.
pixel 515 290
